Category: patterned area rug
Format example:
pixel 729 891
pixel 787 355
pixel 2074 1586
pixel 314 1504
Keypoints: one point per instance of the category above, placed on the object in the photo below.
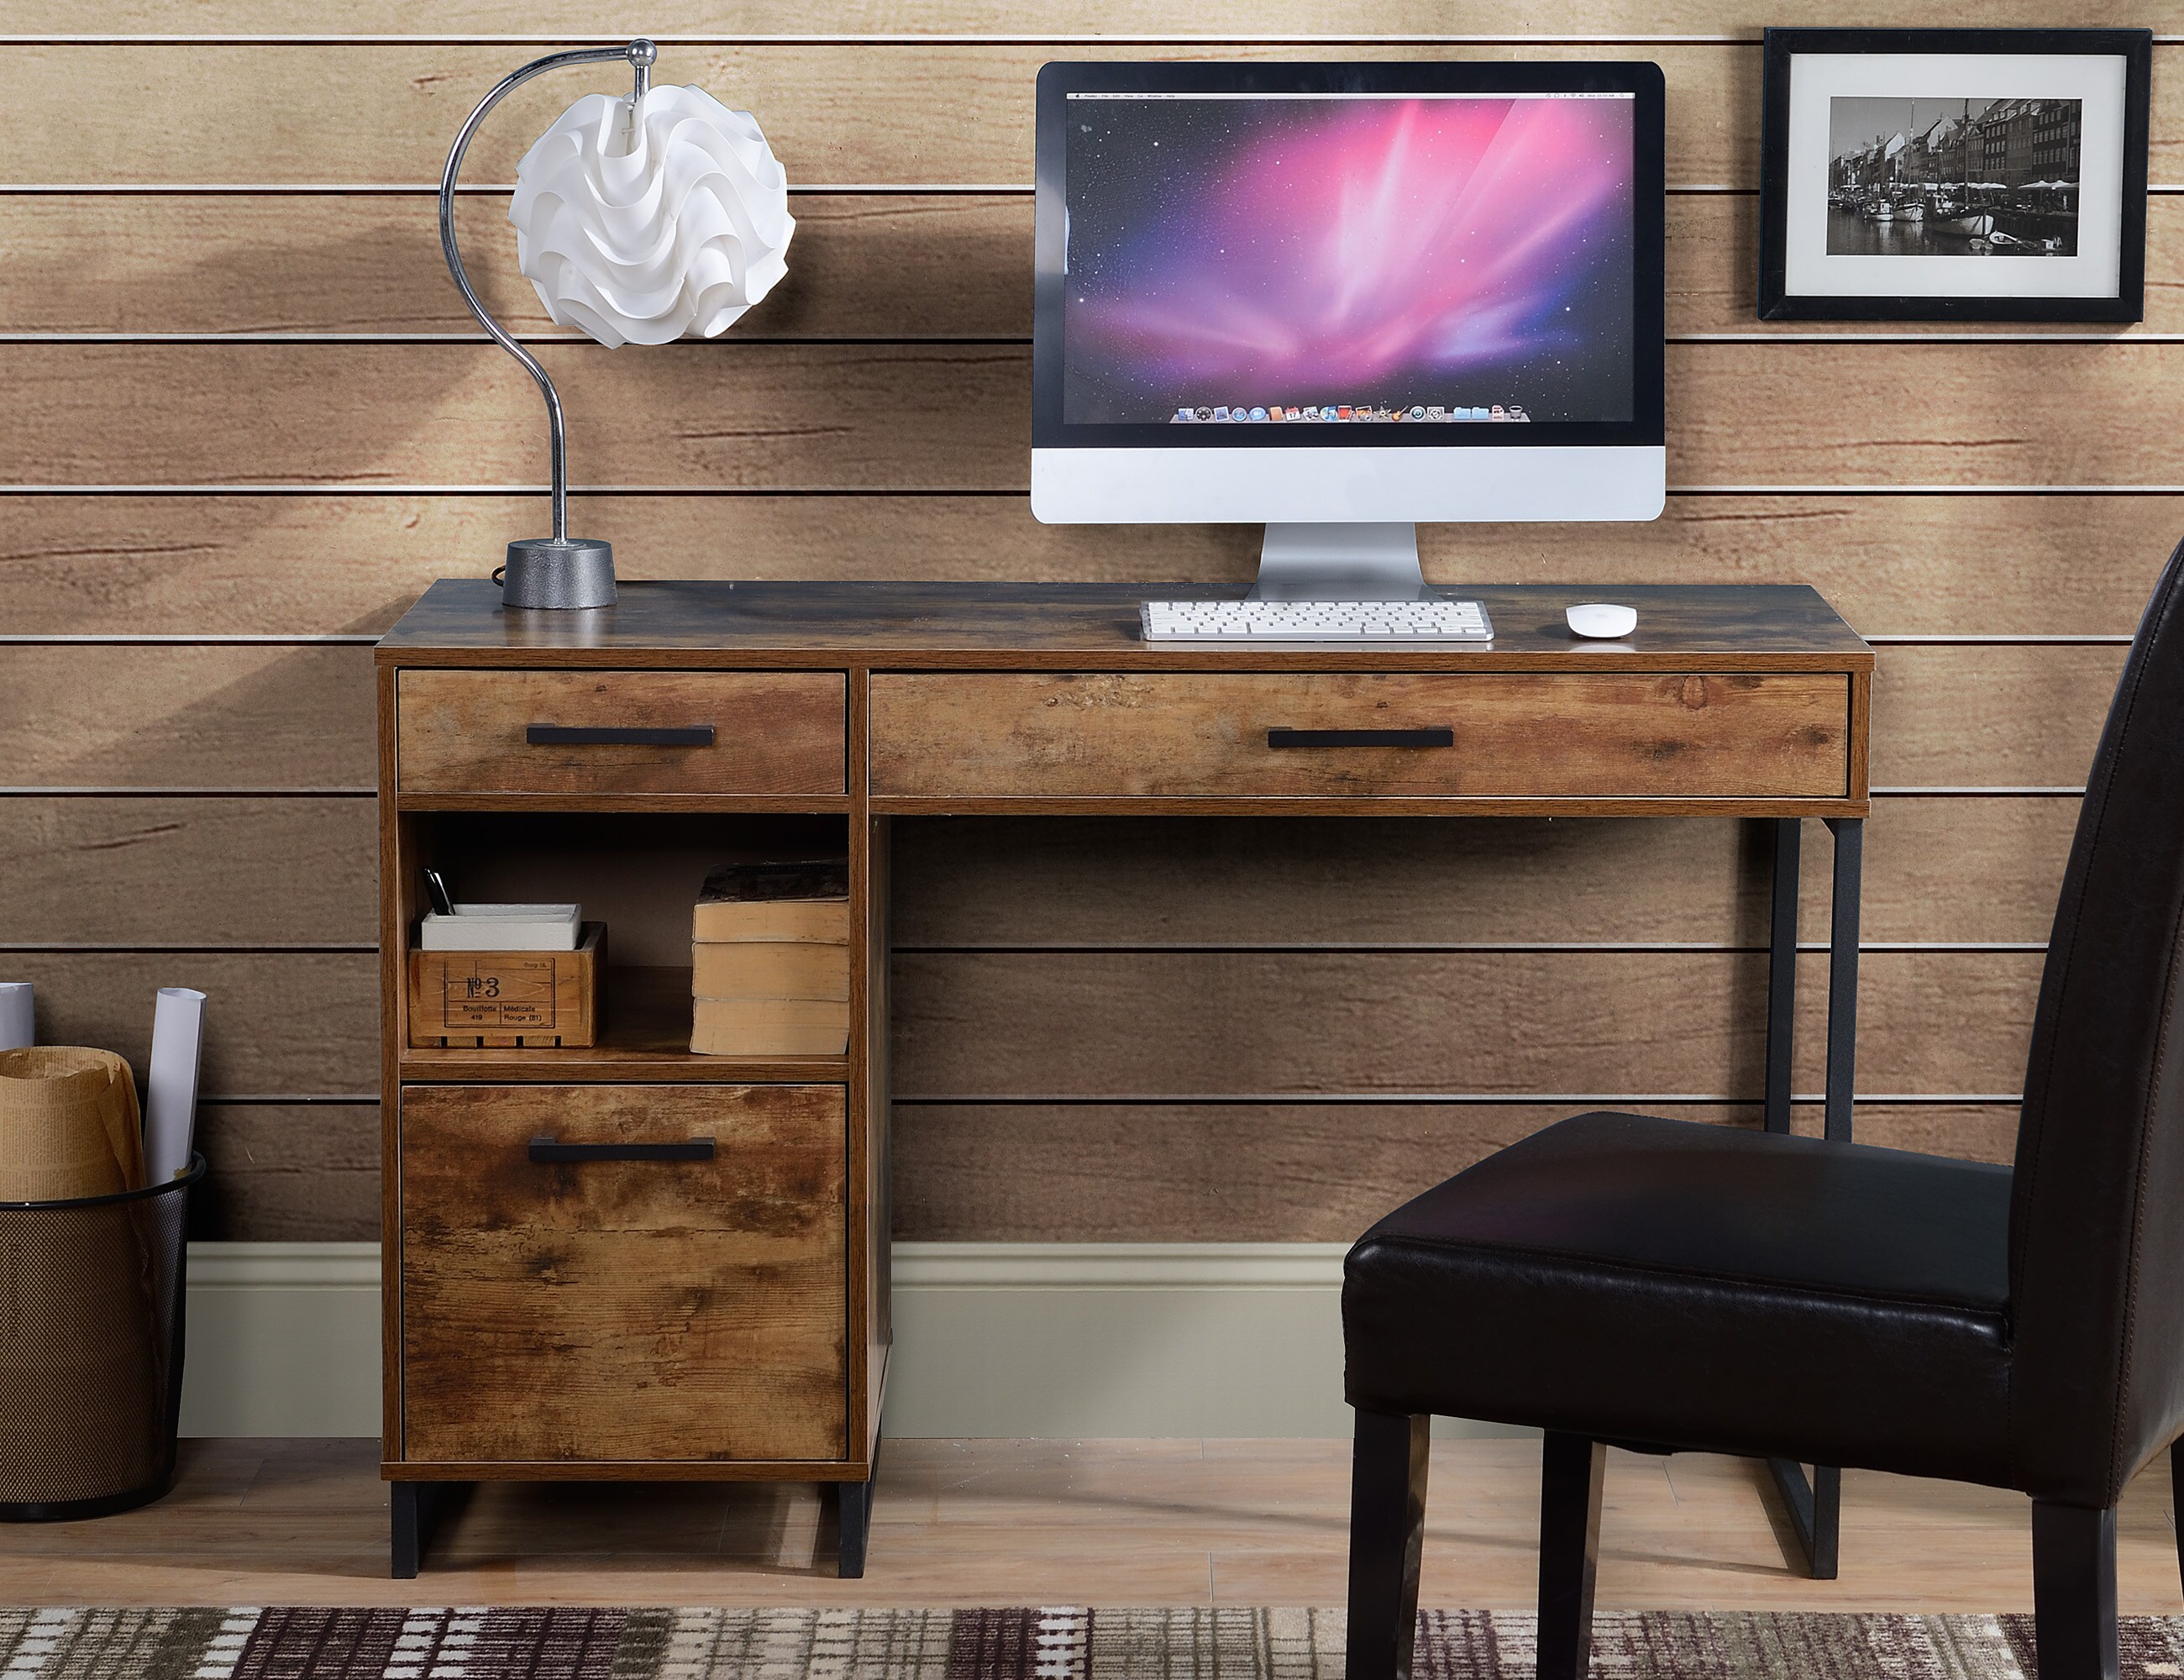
pixel 1000 1644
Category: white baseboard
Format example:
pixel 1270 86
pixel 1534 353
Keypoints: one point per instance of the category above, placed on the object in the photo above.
pixel 990 1339
pixel 283 1339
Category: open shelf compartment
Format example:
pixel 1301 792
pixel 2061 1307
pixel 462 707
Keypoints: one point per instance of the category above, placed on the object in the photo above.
pixel 640 875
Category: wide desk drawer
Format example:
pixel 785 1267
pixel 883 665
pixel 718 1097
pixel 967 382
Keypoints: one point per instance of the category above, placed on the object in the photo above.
pixel 1484 735
pixel 564 1298
pixel 621 731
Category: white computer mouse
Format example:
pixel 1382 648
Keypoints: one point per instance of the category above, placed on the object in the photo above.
pixel 1600 622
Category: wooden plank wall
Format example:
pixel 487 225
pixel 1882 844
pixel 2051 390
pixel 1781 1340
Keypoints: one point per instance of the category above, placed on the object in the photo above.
pixel 246 420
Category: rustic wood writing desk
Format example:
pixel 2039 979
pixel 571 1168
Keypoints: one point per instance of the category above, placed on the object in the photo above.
pixel 622 1315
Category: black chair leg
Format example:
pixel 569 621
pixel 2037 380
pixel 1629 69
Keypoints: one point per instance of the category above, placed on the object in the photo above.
pixel 2074 1591
pixel 1387 1533
pixel 1570 1468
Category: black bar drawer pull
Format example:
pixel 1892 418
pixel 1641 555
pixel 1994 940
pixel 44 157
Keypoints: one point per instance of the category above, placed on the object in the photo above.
pixel 1361 738
pixel 553 1150
pixel 570 735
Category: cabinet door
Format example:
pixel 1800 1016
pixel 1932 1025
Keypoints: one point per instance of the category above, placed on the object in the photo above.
pixel 572 1291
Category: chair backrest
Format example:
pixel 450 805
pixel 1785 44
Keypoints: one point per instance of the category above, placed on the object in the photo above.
pixel 2097 1222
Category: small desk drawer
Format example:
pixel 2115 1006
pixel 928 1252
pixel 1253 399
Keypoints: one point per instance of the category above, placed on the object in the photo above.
pixel 583 1279
pixel 1484 735
pixel 621 731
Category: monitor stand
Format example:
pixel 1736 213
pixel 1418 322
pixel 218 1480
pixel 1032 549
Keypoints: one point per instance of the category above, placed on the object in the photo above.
pixel 1369 562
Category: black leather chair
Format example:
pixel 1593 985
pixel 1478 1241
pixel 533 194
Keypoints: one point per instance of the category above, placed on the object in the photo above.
pixel 1618 1278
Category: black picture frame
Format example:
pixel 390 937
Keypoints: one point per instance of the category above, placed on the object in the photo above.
pixel 1776 303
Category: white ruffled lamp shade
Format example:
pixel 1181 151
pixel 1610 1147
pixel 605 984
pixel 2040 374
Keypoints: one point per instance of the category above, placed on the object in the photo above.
pixel 645 221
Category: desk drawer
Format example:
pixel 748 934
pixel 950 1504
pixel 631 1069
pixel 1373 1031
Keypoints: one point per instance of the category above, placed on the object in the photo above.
pixel 1496 734
pixel 621 731
pixel 647 1309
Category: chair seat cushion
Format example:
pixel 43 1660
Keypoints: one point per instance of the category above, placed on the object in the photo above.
pixel 1685 1285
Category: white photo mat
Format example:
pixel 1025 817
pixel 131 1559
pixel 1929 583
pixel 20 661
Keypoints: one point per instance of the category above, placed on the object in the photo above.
pixel 1817 78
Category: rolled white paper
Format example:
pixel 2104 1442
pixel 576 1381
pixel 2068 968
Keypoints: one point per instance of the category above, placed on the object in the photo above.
pixel 171 1088
pixel 16 1031
pixel 646 222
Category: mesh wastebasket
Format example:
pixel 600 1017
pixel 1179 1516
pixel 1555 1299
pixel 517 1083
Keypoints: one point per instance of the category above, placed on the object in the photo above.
pixel 91 1350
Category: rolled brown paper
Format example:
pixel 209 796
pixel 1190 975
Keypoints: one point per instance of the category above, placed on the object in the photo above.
pixel 68 1124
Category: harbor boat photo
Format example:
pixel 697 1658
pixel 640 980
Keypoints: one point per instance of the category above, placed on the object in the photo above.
pixel 1954 177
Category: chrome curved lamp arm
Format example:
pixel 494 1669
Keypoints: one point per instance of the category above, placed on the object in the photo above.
pixel 640 55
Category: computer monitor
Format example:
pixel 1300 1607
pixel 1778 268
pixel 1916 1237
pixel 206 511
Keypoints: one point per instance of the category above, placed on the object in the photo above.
pixel 1342 298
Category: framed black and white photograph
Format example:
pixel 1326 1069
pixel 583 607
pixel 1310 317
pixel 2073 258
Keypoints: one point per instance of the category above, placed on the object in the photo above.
pixel 1953 174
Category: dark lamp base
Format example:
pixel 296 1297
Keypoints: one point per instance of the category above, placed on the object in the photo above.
pixel 573 572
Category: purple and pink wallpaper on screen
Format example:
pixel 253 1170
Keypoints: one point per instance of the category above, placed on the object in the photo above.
pixel 1466 256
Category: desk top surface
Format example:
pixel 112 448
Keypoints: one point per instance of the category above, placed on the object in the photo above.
pixel 1033 625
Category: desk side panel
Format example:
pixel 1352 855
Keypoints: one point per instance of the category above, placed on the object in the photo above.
pixel 394 1030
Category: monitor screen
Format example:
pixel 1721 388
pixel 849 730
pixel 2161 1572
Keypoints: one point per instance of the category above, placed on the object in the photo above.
pixel 1347 258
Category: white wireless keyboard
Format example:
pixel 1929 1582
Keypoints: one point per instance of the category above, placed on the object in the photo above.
pixel 1411 622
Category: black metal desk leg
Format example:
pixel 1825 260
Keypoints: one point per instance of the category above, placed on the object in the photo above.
pixel 1782 973
pixel 1842 976
pixel 1814 1507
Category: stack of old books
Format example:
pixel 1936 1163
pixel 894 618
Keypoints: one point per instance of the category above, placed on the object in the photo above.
pixel 770 961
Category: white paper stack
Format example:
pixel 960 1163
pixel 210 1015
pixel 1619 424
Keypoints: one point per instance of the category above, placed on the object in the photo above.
pixel 503 927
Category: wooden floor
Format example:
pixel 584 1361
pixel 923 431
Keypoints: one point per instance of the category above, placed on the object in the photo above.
pixel 1112 1522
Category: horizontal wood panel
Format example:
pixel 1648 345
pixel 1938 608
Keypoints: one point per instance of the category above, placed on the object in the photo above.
pixel 266 565
pixel 1124 1023
pixel 1012 736
pixel 1277 1172
pixel 1306 20
pixel 281 1025
pixel 2015 715
pixel 952 417
pixel 193 872
pixel 687 413
pixel 288 1172
pixel 1190 1024
pixel 301 717
pixel 1972 413
pixel 241 717
pixel 861 266
pixel 1126 880
pixel 941 113
pixel 272 871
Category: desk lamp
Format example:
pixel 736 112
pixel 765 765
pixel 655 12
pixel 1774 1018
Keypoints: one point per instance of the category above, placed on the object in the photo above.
pixel 638 219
